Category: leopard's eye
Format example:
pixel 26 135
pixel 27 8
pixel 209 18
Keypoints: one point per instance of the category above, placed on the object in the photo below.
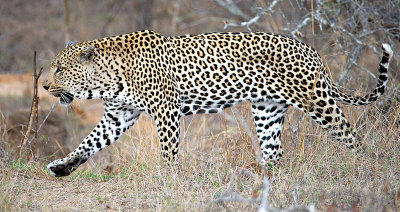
pixel 57 71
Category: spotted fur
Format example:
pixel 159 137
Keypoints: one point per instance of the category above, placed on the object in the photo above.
pixel 170 77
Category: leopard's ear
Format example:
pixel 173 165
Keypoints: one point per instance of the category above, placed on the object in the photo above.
pixel 86 55
pixel 71 43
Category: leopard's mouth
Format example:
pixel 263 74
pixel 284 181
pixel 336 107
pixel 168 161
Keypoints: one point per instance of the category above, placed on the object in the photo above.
pixel 65 98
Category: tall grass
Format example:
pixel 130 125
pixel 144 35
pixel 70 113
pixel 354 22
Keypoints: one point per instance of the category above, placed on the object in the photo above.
pixel 219 156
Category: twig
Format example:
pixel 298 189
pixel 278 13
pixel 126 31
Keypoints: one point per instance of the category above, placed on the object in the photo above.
pixel 232 8
pixel 59 146
pixel 44 120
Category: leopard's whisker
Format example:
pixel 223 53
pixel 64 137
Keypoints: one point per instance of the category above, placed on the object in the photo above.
pixel 67 94
pixel 53 90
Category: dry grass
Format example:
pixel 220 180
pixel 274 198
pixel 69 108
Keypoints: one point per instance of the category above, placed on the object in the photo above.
pixel 217 155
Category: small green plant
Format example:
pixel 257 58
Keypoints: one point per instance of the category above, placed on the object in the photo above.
pixel 19 164
pixel 93 177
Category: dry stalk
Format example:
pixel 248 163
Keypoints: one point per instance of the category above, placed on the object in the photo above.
pixel 3 131
pixel 33 116
pixel 245 125
pixel 301 136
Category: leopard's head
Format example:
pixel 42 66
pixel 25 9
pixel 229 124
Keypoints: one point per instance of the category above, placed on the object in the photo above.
pixel 74 73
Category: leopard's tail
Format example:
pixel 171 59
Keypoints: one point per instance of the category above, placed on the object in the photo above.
pixel 380 87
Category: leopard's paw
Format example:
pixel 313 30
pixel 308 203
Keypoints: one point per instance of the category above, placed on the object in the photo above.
pixel 64 167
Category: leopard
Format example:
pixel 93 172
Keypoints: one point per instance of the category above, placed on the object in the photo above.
pixel 168 77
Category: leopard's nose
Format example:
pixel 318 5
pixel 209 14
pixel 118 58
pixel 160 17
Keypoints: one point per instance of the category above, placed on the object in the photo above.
pixel 46 87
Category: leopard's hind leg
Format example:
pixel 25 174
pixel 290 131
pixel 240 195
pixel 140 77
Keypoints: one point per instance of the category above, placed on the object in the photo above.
pixel 323 109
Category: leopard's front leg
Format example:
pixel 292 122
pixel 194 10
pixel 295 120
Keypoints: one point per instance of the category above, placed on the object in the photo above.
pixel 116 120
pixel 168 127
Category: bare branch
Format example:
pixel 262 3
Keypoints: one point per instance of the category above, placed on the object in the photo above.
pixel 231 196
pixel 232 8
pixel 255 19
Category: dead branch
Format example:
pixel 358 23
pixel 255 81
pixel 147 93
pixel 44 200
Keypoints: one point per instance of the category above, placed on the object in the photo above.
pixel 33 116
pixel 235 10
pixel 264 199
pixel 229 195
pixel 301 25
